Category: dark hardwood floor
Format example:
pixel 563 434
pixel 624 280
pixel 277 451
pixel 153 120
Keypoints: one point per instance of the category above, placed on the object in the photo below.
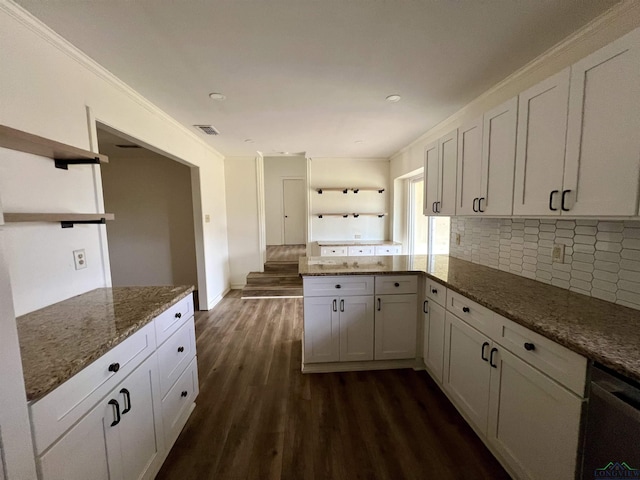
pixel 258 417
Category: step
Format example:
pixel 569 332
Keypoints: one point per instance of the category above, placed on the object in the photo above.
pixel 258 291
pixel 290 266
pixel 274 278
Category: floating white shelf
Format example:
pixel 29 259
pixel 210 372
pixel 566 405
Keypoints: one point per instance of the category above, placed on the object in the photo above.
pixel 67 220
pixel 345 190
pixel 345 215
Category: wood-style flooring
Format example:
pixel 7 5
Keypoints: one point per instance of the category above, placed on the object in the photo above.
pixel 258 417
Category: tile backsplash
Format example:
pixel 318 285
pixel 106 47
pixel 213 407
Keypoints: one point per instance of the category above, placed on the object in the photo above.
pixel 601 257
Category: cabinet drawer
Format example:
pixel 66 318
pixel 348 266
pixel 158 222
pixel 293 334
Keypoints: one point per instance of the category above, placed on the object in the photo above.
pixel 560 363
pixel 436 292
pixel 175 354
pixel 400 284
pixel 479 317
pixel 338 286
pixel 56 412
pixel 388 249
pixel 176 405
pixel 358 251
pixel 333 251
pixel 172 318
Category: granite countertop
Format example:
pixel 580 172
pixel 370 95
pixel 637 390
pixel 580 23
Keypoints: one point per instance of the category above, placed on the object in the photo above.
pixel 58 341
pixel 356 242
pixel 601 331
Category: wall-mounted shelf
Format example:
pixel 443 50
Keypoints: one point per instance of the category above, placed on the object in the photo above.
pixel 63 155
pixel 354 215
pixel 67 220
pixel 346 190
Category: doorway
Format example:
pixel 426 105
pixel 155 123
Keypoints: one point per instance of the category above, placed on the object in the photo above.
pixel 293 205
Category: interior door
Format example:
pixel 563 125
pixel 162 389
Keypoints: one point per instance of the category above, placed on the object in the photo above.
pixel 294 210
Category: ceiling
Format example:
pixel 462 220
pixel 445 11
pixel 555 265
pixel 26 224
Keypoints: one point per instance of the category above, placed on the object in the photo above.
pixel 312 75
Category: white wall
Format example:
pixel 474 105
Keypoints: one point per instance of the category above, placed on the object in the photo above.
pixel 152 241
pixel 275 170
pixel 350 173
pixel 46 92
pixel 242 212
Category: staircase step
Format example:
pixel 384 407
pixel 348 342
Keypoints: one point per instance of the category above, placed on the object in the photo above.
pixel 290 266
pixel 274 278
pixel 258 291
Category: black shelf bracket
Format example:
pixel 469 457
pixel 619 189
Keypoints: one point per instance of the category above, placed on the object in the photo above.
pixel 319 191
pixel 63 163
pixel 380 216
pixel 345 191
pixel 381 190
pixel 345 216
pixel 356 215
pixel 71 223
pixel 319 216
pixel 356 190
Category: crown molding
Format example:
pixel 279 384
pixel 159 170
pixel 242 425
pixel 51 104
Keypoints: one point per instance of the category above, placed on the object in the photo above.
pixel 18 13
pixel 625 15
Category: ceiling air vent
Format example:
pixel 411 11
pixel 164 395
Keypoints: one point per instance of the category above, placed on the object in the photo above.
pixel 208 129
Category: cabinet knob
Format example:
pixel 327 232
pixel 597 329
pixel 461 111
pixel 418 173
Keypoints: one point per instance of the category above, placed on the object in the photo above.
pixel 114 367
pixel 529 346
pixel 466 309
pixel 396 284
pixel 178 315
pixel 434 290
pixel 180 349
pixel 338 286
pixel 184 393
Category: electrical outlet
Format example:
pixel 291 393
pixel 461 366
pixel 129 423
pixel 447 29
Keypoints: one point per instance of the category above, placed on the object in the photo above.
pixel 557 254
pixel 79 259
pixel 207 218
pixel 457 239
pixel 357 236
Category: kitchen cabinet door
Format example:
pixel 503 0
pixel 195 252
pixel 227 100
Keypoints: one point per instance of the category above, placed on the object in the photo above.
pixel 540 150
pixel 141 449
pixel 321 330
pixel 434 340
pixel 466 371
pixel 448 162
pixel 91 449
pixel 395 326
pixel 469 167
pixel 498 159
pixel 431 178
pixel 531 417
pixel 356 328
pixel 603 141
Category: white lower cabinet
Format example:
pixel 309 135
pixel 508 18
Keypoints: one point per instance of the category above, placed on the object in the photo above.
pixel 433 343
pixel 124 433
pixel 116 439
pixel 533 421
pixel 395 321
pixel 529 419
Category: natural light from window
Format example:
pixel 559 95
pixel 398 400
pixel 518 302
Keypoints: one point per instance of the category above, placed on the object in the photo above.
pixel 427 235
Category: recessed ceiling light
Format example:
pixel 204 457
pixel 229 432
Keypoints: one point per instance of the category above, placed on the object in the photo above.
pixel 217 96
pixel 358 141
pixel 248 140
pixel 393 98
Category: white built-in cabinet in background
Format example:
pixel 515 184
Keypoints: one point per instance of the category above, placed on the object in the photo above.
pixel 578 149
pixel 343 324
pixel 568 145
pixel 441 164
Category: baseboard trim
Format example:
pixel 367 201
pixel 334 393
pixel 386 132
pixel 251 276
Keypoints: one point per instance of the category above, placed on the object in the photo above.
pixel 360 366
pixel 237 286
pixel 218 298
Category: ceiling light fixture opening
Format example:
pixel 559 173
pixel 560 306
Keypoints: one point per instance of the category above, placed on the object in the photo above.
pixel 248 140
pixel 393 98
pixel 217 96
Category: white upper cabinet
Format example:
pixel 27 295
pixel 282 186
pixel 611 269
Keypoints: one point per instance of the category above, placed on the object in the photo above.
pixel 440 167
pixel 603 135
pixel 469 167
pixel 542 127
pixel 486 162
pixel 498 159
pixel 432 178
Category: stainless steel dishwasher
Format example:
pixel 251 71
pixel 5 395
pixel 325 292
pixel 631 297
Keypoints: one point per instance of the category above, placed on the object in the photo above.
pixel 612 435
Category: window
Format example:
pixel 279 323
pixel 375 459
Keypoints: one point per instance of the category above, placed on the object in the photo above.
pixel 426 235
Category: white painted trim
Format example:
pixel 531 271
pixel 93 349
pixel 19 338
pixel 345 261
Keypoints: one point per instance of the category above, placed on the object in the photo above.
pixel 262 225
pixel 35 25
pixel 624 17
pixel 218 299
pixel 237 286
pixel 308 205
pixel 360 366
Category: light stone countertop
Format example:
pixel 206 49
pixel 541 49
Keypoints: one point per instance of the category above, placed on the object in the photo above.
pixel 601 331
pixel 58 341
